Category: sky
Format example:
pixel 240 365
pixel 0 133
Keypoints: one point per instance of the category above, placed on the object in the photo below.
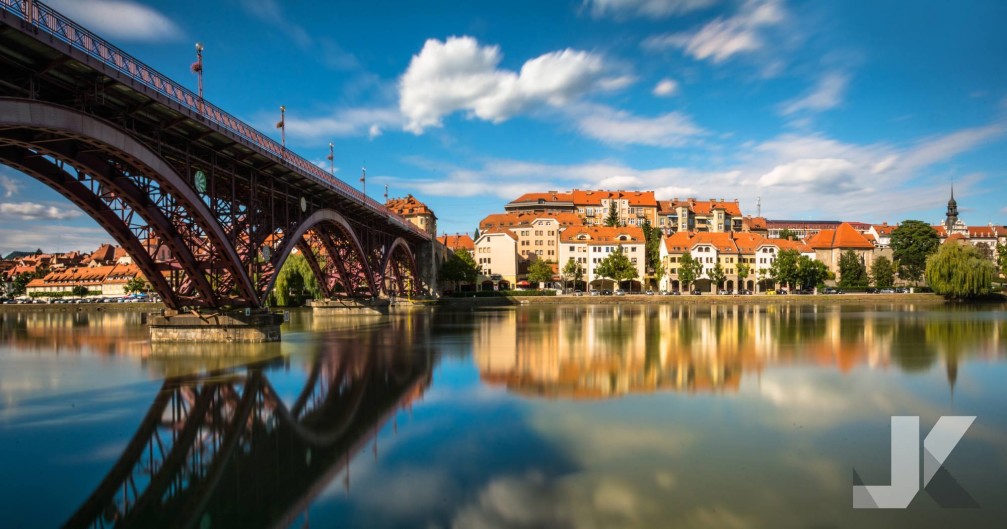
pixel 858 110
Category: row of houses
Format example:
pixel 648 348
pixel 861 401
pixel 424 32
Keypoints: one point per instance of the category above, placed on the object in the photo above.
pixel 105 271
pixel 634 208
pixel 556 227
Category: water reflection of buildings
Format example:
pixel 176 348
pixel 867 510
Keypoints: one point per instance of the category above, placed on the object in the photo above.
pixel 227 448
pixel 609 350
pixel 102 333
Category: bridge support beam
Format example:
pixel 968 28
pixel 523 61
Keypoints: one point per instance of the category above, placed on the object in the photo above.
pixel 257 326
pixel 322 307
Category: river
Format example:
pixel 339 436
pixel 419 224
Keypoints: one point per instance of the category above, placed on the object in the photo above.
pixel 536 416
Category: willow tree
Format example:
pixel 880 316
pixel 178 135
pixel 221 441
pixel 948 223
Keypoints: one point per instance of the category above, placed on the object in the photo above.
pixel 294 280
pixel 959 271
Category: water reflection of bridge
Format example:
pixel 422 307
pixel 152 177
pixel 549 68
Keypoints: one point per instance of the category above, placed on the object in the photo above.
pixel 611 350
pixel 226 447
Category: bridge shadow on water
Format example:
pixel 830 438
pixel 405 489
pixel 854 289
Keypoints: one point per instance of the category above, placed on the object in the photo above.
pixel 223 447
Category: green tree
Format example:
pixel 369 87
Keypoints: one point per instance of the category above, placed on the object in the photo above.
pixel 689 270
pixel 912 242
pixel 79 291
pixel 612 219
pixel 744 269
pixel 959 271
pixel 717 275
pixel 787 234
pixel 136 285
pixel 985 249
pixel 539 272
pixel 573 271
pixel 19 286
pixel 784 267
pixel 883 272
pixel 617 266
pixel 852 270
pixel 1002 259
pixel 459 267
pixel 295 280
pixel 652 236
pixel 475 236
pixel 811 272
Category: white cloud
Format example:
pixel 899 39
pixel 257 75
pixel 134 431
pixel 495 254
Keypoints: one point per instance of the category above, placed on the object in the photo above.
pixel 722 38
pixel 9 185
pixel 32 211
pixel 621 128
pixel 460 75
pixel 939 148
pixel 120 19
pixel 828 93
pixel 821 175
pixel 341 123
pixel 645 8
pixel 52 237
pixel 666 88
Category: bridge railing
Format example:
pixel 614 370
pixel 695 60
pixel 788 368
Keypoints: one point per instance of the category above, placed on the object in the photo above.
pixel 57 25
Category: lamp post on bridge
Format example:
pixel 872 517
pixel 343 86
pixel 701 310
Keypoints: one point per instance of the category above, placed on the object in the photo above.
pixel 332 160
pixel 197 68
pixel 282 125
pixel 363 180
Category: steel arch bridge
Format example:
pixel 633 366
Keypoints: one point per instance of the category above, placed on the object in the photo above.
pixel 207 207
pixel 225 447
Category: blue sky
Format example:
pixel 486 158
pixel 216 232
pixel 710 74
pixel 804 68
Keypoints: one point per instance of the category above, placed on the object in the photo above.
pixel 850 110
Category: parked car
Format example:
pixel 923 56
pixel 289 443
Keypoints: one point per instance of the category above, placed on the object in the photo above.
pixel 781 292
pixel 675 293
pixel 887 291
pixel 595 293
pixel 578 292
pixel 901 290
pixel 620 292
pixel 697 293
pixel 606 292
pixel 649 292
pixel 831 290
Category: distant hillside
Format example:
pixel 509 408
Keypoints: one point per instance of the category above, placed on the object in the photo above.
pixel 19 254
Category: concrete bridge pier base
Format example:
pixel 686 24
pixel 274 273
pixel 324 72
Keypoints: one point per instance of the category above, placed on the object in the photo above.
pixel 322 307
pixel 232 327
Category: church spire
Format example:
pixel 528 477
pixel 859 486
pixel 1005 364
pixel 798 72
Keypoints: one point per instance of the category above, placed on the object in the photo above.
pixel 952 214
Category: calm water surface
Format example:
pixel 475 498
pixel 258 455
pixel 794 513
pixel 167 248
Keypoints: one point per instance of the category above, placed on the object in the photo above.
pixel 591 416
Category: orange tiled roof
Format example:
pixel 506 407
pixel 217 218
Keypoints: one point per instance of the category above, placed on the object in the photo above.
pixel 104 253
pixel 941 231
pixel 686 241
pixel 844 236
pixel 705 207
pixel 956 238
pixel 754 223
pixel 505 220
pixel 551 196
pixel 408 206
pixel 455 242
pixel 884 229
pixel 983 232
pixel 594 197
pixel 602 234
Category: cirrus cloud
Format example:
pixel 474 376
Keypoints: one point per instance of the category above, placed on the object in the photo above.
pixel 120 19
pixel 459 74
pixel 33 211
pixel 645 8
pixel 723 38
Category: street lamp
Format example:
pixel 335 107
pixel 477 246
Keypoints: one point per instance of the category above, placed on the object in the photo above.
pixel 197 67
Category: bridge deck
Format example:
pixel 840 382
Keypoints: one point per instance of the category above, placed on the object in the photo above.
pixel 44 51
